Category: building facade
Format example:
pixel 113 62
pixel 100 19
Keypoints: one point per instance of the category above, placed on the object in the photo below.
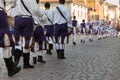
pixel 107 10
pixel 112 12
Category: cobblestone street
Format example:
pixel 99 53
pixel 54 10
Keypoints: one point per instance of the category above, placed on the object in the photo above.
pixel 97 60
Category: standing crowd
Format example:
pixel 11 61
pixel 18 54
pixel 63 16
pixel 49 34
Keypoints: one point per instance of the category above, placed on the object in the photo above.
pixel 35 31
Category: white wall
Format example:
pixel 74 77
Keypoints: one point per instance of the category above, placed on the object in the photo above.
pixel 79 11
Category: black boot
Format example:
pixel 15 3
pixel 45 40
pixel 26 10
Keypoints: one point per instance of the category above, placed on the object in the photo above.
pixel 49 51
pixel 12 70
pixel 90 40
pixel 81 40
pixel 74 43
pixel 13 51
pixel 51 46
pixel 62 54
pixel 34 60
pixel 17 55
pixel 26 58
pixel 40 59
pixel 58 54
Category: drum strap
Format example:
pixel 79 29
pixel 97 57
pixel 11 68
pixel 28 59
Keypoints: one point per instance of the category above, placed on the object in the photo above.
pixel 1 8
pixel 26 7
pixel 48 18
pixel 61 13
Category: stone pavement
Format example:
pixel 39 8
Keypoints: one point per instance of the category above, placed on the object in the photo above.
pixel 97 60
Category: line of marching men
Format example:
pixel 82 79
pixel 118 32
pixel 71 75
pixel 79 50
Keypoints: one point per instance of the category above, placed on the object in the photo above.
pixel 32 32
pixel 91 28
pixel 36 30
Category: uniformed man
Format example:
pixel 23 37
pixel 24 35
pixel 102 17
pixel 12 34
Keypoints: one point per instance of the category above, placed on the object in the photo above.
pixel 49 27
pixel 74 24
pixel 100 31
pixel 90 30
pixel 23 30
pixel 96 28
pixel 61 28
pixel 6 42
pixel 39 44
pixel 83 31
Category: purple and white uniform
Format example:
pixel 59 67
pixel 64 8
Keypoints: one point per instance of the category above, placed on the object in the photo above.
pixel 61 29
pixel 39 38
pixel 39 42
pixel 90 28
pixel 49 25
pixel 74 24
pixel 90 31
pixel 83 32
pixel 83 28
pixel 24 22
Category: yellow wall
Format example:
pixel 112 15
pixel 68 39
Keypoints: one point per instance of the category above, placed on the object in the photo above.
pixel 97 11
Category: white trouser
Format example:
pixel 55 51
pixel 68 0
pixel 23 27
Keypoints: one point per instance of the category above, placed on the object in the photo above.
pixel 91 34
pixel 6 52
pixel 74 34
pixel 33 54
pixel 99 35
pixel 59 46
pixel 83 35
pixel 49 39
